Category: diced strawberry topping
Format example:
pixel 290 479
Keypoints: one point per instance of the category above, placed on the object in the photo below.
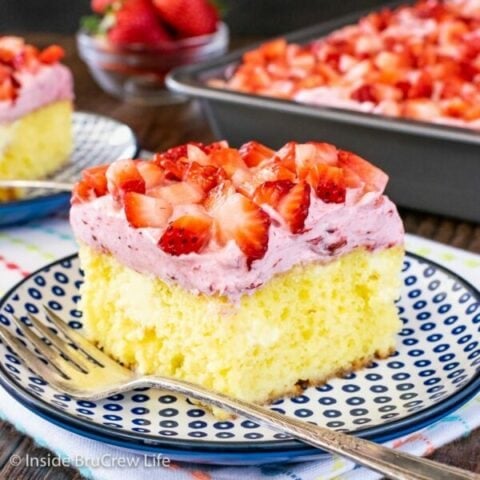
pixel 220 145
pixel 293 207
pixel 328 182
pixel 364 93
pixel 280 171
pixel 274 49
pixel 254 153
pixel 144 211
pixel 197 154
pixel 243 221
pixel 151 173
pixel 95 177
pixel 17 57
pixel 52 54
pixel 426 52
pixel 181 151
pixel 309 154
pixel 272 192
pixel 82 193
pixel 217 195
pixel 229 159
pixel 173 169
pixel 123 176
pixel 180 193
pixel 372 176
pixel 221 199
pixel 7 56
pixel 305 158
pixel 205 176
pixel 187 234
pixel 287 155
pixel 325 152
pixel 7 90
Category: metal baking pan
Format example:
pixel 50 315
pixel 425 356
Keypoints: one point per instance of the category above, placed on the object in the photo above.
pixel 431 167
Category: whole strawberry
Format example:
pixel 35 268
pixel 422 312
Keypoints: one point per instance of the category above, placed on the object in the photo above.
pixel 189 18
pixel 137 23
pixel 100 6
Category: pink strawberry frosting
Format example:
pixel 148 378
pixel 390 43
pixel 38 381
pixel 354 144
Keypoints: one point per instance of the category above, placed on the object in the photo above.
pixel 368 220
pixel 48 84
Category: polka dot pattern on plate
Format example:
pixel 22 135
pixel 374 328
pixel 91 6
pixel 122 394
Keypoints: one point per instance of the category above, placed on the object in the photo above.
pixel 438 354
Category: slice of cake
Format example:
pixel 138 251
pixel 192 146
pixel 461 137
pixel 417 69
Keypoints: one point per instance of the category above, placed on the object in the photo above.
pixel 36 94
pixel 252 272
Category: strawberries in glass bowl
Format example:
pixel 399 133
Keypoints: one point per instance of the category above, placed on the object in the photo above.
pixel 131 45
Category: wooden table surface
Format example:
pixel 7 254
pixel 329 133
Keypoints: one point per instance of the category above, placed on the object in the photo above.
pixel 163 127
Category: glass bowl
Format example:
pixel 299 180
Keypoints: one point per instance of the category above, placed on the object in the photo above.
pixel 137 74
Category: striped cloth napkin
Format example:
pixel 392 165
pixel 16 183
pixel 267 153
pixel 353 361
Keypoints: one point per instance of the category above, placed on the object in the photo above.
pixel 26 248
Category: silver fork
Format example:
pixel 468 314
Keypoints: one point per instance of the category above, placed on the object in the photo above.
pixel 48 184
pixel 76 367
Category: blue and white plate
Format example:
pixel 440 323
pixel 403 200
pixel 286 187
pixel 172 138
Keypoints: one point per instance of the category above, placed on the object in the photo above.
pixel 96 140
pixel 434 371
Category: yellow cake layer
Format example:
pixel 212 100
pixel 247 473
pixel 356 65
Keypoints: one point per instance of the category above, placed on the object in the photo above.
pixel 35 145
pixel 309 324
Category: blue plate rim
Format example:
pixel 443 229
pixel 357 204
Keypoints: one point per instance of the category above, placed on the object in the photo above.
pixel 153 444
pixel 60 195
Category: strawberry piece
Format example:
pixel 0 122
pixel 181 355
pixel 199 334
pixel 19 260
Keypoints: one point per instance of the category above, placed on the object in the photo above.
pixel 229 159
pixel 5 72
pixel 187 234
pixel 82 193
pixel 205 176
pixel 123 176
pixel 274 171
pixel 100 6
pixel 217 195
pixel 304 159
pixel 176 153
pixel 365 93
pixel 274 49
pixel 6 56
pixel 181 151
pixel 254 153
pixel 172 169
pixel 215 146
pixel 180 193
pixel 307 155
pixel 188 17
pixel 293 207
pixel 52 54
pixel 137 24
pixel 325 152
pixel 373 177
pixel 422 109
pixel 281 172
pixel 422 87
pixel 7 90
pixel 12 43
pixel 196 153
pixel 272 192
pixel 27 59
pixel 95 177
pixel 243 221
pixel 143 211
pixel 152 174
pixel 287 155
pixel 328 183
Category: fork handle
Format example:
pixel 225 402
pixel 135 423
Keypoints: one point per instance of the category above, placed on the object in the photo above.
pixel 389 462
pixel 48 184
